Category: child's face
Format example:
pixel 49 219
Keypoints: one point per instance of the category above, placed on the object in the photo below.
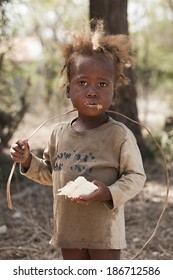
pixel 91 87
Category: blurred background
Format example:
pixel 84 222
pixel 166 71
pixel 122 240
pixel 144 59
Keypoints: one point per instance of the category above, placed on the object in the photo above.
pixel 31 36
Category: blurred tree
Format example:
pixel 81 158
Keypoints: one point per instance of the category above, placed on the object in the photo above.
pixel 114 13
pixel 13 87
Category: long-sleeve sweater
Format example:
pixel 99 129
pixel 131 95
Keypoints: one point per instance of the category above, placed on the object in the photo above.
pixel 108 153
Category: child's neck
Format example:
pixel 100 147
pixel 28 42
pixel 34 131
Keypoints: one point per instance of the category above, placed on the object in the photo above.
pixel 82 124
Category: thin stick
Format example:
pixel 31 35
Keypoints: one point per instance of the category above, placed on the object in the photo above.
pixel 8 188
pixel 167 181
pixel 10 205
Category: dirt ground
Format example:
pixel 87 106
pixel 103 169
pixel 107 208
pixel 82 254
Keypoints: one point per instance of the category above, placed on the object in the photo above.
pixel 28 227
pixel 26 230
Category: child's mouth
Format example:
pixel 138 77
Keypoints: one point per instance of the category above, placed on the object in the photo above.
pixel 93 106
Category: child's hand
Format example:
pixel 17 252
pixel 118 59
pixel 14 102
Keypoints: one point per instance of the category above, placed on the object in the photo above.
pixel 20 152
pixel 101 194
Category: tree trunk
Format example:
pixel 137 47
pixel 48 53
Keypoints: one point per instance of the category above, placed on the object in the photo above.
pixel 114 13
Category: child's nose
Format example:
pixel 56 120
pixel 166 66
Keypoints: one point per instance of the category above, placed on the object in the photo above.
pixel 92 92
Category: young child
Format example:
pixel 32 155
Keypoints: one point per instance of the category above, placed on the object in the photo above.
pixel 93 145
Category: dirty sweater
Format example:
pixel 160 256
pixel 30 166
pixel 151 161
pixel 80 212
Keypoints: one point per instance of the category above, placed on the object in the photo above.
pixel 108 153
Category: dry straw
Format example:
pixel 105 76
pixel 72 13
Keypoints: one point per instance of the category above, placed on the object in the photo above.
pixel 156 143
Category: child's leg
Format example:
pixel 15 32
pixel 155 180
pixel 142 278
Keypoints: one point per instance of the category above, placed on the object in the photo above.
pixel 75 254
pixel 109 254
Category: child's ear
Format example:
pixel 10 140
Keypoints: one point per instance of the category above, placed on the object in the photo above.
pixel 68 91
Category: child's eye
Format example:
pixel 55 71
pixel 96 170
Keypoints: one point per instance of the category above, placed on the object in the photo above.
pixel 83 83
pixel 102 84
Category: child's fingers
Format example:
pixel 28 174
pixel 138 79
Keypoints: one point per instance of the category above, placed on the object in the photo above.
pixel 88 198
pixel 19 146
pixel 19 151
pixel 97 195
pixel 101 194
pixel 23 144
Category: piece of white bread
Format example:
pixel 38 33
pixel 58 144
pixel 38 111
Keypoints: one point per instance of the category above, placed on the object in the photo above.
pixel 80 186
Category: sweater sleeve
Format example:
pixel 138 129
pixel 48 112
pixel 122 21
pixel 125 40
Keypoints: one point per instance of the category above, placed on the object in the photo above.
pixel 40 170
pixel 131 174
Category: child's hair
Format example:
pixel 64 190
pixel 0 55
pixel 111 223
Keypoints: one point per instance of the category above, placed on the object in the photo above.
pixel 87 42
